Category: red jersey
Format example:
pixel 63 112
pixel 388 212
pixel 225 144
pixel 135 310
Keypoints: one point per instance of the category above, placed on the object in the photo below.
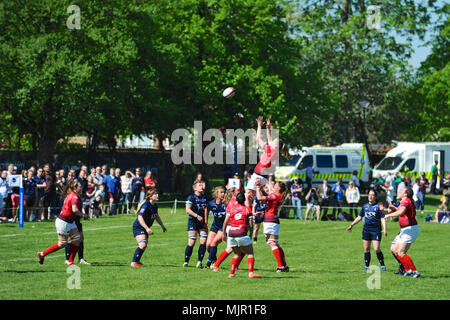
pixel 149 181
pixel 230 208
pixel 67 214
pixel 409 217
pixel 239 221
pixel 272 205
pixel 265 162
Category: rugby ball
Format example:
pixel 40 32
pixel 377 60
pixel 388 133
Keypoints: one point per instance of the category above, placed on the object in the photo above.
pixel 228 92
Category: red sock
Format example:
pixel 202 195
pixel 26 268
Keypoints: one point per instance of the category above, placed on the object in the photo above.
pixel 251 263
pixel 52 248
pixel 283 259
pixel 233 265
pixel 409 262
pixel 240 259
pixel 404 263
pixel 221 257
pixel 73 252
pixel 277 254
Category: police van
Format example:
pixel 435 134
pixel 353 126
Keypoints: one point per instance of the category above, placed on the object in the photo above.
pixel 329 163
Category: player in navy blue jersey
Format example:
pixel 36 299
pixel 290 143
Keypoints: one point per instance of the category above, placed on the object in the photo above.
pixel 218 209
pixel 259 207
pixel 374 225
pixel 197 222
pixel 147 213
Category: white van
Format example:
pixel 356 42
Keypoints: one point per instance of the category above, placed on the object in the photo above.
pixel 414 158
pixel 329 163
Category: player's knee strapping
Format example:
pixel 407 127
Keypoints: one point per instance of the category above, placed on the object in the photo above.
pixel 193 238
pixel 203 236
pixel 76 239
pixel 62 242
pixel 271 242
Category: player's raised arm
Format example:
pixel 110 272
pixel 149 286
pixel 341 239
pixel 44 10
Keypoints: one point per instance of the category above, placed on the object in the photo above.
pixel 268 131
pixel 259 195
pixel 261 143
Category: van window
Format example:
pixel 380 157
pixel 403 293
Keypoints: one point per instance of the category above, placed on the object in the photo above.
pixel 324 161
pixel 389 163
pixel 409 165
pixel 305 162
pixel 341 161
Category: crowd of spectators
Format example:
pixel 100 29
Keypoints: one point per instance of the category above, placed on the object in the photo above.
pixel 104 191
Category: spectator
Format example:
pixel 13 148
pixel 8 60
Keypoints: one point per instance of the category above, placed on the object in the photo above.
pixel 442 214
pixel 94 176
pixel 401 186
pixel 339 192
pixel 309 176
pixel 113 188
pixel 60 184
pixel 446 183
pixel 389 190
pixel 151 183
pixel 56 165
pixel 125 199
pixel 423 190
pixel 296 192
pixel 312 200
pixel 8 201
pixel 40 193
pixel 49 192
pixel 100 197
pixel 29 193
pixel 91 189
pixel 434 173
pixel 137 188
pixel 355 179
pixel 82 178
pixel 352 195
pixel 4 191
pixel 70 175
pixel 391 180
pixel 325 194
pixel 416 191
pixel 100 174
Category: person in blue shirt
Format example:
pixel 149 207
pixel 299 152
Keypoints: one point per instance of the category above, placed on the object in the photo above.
pixel 147 213
pixel 374 225
pixel 29 194
pixel 197 222
pixel 296 191
pixel 339 192
pixel 217 208
pixel 40 185
pixel 113 189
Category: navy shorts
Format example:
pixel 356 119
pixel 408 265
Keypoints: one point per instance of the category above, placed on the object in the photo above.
pixel 139 232
pixel 195 226
pixel 216 228
pixel 371 235
pixel 259 219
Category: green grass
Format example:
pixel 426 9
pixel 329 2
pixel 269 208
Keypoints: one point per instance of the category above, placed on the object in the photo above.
pixel 325 263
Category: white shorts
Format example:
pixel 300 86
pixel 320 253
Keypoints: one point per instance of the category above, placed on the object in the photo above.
pixel 272 228
pixel 252 183
pixel 63 227
pixel 309 205
pixel 407 235
pixel 239 241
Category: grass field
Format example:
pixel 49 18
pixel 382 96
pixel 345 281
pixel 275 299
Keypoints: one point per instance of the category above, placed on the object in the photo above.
pixel 325 263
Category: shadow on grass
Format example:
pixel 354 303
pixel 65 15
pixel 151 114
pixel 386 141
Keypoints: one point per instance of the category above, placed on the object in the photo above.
pixel 31 271
pixel 109 264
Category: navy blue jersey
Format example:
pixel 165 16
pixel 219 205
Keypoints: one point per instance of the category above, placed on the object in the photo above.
pixel 260 205
pixel 218 211
pixel 149 212
pixel 198 205
pixel 372 217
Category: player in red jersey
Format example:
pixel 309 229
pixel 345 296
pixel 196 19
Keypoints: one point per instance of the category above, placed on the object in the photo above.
pixel 272 223
pixel 65 223
pixel 409 230
pixel 231 202
pixel 238 239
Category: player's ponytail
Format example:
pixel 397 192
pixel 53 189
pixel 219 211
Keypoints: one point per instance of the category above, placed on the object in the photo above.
pixel 284 191
pixel 148 196
pixel 228 195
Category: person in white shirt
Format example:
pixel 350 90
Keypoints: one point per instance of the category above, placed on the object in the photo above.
pixel 352 195
pixel 126 181
pixel 416 191
pixel 389 189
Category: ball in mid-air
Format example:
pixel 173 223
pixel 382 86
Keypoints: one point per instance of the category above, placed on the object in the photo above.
pixel 228 92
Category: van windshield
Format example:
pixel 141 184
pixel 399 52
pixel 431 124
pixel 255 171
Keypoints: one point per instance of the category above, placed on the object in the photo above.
pixel 287 163
pixel 389 163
